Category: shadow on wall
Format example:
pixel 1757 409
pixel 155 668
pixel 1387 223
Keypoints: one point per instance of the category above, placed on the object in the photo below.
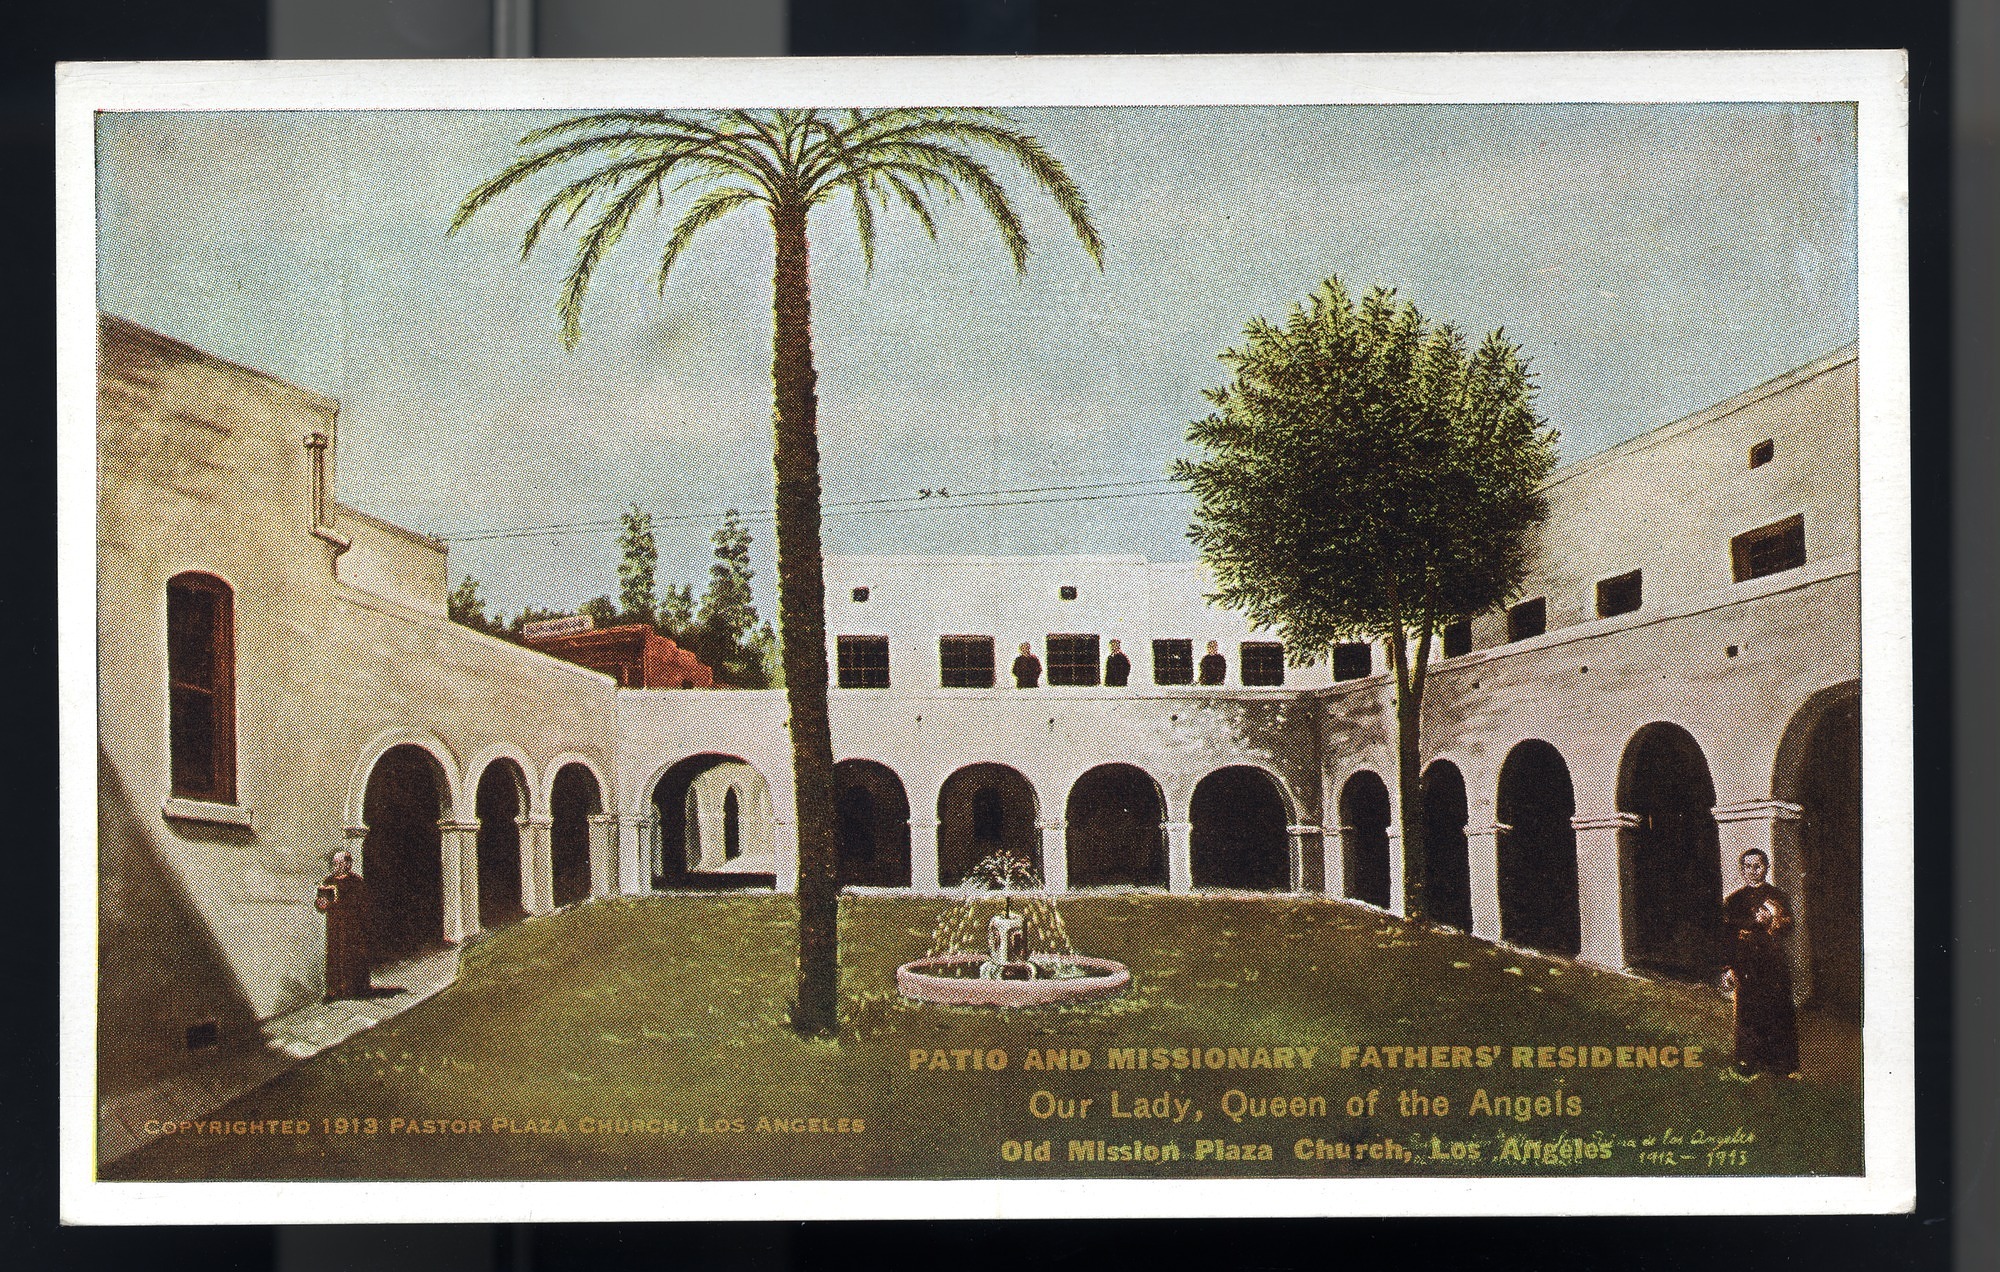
pixel 165 987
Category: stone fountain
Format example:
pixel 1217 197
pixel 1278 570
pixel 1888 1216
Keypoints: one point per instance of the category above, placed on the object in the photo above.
pixel 1027 961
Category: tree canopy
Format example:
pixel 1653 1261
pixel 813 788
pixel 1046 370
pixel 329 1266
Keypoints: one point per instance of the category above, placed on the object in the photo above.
pixel 1367 472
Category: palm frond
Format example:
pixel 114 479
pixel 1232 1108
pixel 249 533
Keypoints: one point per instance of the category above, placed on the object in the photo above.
pixel 704 209
pixel 599 239
pixel 656 118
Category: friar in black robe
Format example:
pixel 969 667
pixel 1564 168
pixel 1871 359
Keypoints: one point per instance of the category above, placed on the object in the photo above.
pixel 1117 668
pixel 1756 933
pixel 343 899
pixel 1214 667
pixel 1027 669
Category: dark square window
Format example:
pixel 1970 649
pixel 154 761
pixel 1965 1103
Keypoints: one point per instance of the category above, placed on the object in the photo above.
pixel 1073 659
pixel 1762 453
pixel 860 594
pixel 1458 638
pixel 1173 662
pixel 1768 549
pixel 965 662
pixel 1529 618
pixel 1620 595
pixel 1066 592
pixel 1262 662
pixel 1353 659
pixel 863 662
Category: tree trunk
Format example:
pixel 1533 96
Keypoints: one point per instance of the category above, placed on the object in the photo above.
pixel 1409 759
pixel 802 619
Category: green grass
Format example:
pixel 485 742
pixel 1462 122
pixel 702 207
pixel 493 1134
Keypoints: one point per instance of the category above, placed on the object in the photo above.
pixel 674 1008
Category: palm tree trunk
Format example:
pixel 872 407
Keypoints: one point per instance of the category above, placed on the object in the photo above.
pixel 802 619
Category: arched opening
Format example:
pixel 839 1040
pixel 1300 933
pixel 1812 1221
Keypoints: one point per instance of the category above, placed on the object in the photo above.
pixel 1538 897
pixel 1670 863
pixel 1447 863
pixel 871 825
pixel 712 826
pixel 1117 829
pixel 1364 838
pixel 1238 838
pixel 1820 770
pixel 984 810
pixel 499 803
pixel 572 802
pixel 402 856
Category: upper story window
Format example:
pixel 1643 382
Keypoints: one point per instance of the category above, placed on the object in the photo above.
pixel 1173 662
pixel 1352 659
pixel 862 661
pixel 1458 638
pixel 1762 453
pixel 1620 595
pixel 1768 549
pixel 859 594
pixel 1073 659
pixel 1529 618
pixel 1066 592
pixel 201 680
pixel 965 662
pixel 1262 661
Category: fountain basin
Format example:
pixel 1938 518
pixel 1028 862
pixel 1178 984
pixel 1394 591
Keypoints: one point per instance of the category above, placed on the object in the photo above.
pixel 954 978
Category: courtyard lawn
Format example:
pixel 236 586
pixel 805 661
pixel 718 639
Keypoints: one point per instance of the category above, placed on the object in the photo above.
pixel 665 1018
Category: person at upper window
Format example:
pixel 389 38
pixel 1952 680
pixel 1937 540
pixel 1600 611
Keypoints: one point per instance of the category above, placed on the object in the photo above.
pixel 1214 667
pixel 1117 668
pixel 1027 668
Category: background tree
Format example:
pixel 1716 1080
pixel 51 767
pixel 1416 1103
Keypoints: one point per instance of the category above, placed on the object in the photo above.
pixel 467 607
pixel 1369 476
pixel 727 624
pixel 638 565
pixel 786 163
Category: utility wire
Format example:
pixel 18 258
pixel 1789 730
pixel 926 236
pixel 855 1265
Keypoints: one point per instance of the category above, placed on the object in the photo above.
pixel 968 501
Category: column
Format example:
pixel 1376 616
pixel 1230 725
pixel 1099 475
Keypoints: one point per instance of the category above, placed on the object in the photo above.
pixel 1399 904
pixel 1180 856
pixel 1752 823
pixel 784 849
pixel 538 879
pixel 1055 854
pixel 924 854
pixel 603 832
pixel 352 839
pixel 1599 896
pixel 635 858
pixel 1303 842
pixel 1482 852
pixel 1332 866
pixel 459 851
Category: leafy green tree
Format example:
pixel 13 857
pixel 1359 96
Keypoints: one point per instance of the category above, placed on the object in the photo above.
pixel 638 563
pixel 1370 476
pixel 727 622
pixel 467 607
pixel 601 612
pixel 676 610
pixel 784 163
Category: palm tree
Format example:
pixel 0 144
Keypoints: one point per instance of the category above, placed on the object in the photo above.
pixel 789 162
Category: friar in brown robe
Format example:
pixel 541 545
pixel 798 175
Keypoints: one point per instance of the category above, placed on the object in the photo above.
pixel 343 898
pixel 1756 930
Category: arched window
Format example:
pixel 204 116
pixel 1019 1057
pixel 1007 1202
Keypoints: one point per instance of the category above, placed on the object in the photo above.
pixel 201 686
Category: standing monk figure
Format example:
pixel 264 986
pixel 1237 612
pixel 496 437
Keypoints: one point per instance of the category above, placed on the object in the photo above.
pixel 1117 668
pixel 1757 966
pixel 1027 668
pixel 343 899
pixel 1214 667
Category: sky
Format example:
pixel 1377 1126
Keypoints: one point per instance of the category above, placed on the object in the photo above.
pixel 1649 260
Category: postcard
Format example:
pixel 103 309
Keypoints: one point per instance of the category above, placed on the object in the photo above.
pixel 985 637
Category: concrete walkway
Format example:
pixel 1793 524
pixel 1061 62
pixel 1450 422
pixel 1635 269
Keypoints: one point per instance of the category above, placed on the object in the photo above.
pixel 286 1040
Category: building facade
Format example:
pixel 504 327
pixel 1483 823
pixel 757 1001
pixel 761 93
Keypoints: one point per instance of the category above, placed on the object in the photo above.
pixel 1679 682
